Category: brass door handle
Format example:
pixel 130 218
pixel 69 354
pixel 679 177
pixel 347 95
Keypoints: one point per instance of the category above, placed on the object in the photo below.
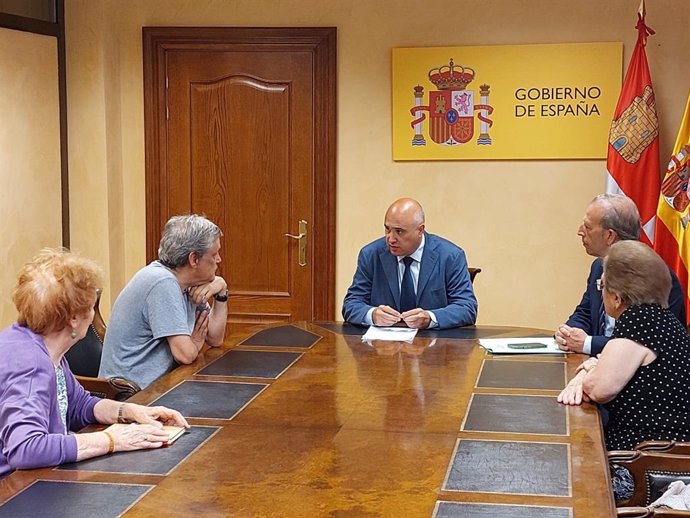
pixel 302 242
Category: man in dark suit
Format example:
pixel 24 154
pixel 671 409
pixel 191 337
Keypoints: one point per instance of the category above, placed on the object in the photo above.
pixel 609 218
pixel 410 276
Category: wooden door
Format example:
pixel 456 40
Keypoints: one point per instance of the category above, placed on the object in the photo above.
pixel 240 126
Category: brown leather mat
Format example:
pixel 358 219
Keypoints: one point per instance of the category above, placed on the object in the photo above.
pixel 283 336
pixel 70 499
pixel 466 510
pixel 526 468
pixel 251 364
pixel 159 461
pixel 522 375
pixel 210 399
pixel 516 414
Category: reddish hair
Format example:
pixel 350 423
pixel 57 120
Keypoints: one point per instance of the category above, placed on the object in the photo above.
pixel 54 287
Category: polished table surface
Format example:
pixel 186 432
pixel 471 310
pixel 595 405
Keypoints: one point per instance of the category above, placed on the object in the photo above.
pixel 353 429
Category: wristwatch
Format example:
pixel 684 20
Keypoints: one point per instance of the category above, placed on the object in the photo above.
pixel 221 298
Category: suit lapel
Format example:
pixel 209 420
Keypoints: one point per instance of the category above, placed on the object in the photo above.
pixel 390 268
pixel 429 260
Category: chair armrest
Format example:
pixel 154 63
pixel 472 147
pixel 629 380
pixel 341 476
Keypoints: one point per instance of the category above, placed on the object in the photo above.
pixel 677 448
pixel 634 512
pixel 115 388
pixel 647 512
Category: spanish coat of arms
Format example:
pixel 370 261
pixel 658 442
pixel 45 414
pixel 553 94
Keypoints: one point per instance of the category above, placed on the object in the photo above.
pixel 451 108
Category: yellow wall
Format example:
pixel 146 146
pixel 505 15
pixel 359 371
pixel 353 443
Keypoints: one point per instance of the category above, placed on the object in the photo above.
pixel 517 219
pixel 30 207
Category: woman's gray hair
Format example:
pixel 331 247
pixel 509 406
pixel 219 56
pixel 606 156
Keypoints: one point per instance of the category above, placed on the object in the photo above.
pixel 636 274
pixel 183 235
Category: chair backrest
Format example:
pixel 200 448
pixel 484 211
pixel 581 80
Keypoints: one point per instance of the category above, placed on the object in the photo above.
pixel 85 356
pixel 652 472
pixel 118 389
pixel 473 273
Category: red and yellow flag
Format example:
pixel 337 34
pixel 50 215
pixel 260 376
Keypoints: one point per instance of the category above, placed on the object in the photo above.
pixel 633 151
pixel 672 240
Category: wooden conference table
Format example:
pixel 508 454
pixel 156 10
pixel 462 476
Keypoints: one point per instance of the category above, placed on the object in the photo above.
pixel 312 421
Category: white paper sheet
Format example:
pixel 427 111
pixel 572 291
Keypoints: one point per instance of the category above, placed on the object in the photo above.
pixel 503 345
pixel 393 334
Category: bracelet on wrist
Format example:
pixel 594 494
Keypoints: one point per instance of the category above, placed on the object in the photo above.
pixel 111 442
pixel 120 417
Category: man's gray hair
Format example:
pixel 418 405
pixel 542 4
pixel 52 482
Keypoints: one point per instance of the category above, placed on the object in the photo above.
pixel 620 215
pixel 183 235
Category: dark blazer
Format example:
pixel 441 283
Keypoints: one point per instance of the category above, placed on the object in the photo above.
pixel 586 314
pixel 443 287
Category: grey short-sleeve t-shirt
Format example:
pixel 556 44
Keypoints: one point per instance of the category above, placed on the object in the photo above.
pixel 150 308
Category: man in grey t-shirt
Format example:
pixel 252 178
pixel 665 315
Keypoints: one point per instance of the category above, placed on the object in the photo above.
pixel 162 318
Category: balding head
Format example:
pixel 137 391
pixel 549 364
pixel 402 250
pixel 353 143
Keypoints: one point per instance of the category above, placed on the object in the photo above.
pixel 407 208
pixel 404 226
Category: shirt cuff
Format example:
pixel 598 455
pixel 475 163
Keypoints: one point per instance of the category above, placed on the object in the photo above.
pixel 368 320
pixel 434 322
pixel 587 346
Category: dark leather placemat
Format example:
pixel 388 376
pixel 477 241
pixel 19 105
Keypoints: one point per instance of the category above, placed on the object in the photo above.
pixel 71 499
pixel 251 364
pixel 516 414
pixel 526 468
pixel 458 333
pixel 159 461
pixel 467 510
pixel 342 328
pixel 283 336
pixel 210 399
pixel 522 375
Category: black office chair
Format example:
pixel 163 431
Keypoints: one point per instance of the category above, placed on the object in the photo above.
pixel 84 360
pixel 85 356
pixel 473 273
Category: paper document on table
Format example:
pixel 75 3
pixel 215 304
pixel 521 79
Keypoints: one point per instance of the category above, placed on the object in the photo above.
pixel 520 345
pixel 393 334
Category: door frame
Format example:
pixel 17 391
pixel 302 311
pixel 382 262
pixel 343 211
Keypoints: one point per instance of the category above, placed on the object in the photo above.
pixel 321 42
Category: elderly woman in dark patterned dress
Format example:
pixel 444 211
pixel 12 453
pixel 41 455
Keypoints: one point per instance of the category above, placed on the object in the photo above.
pixel 41 402
pixel 643 375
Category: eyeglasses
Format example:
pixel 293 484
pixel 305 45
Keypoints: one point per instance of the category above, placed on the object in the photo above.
pixel 600 284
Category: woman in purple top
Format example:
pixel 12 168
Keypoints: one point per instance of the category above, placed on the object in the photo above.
pixel 41 402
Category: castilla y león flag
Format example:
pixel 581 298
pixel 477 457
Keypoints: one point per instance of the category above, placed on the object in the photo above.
pixel 672 241
pixel 633 151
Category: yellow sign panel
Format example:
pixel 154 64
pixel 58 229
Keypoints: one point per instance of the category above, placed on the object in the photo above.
pixel 505 102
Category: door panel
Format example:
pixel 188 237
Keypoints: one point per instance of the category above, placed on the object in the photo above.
pixel 240 147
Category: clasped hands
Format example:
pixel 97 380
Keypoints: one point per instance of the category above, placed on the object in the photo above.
pixel 202 292
pixel 570 338
pixel 387 316
pixel 199 295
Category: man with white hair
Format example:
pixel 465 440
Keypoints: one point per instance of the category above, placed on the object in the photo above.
pixel 609 218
